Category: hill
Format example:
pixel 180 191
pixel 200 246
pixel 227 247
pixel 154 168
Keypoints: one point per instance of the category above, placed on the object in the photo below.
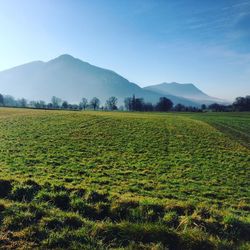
pixel 71 79
pixel 185 90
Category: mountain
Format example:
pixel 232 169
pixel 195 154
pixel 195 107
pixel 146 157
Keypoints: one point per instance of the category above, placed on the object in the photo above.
pixel 72 79
pixel 185 90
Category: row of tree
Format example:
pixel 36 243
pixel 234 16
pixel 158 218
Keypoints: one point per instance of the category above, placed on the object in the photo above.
pixel 130 103
pixel 58 103
pixel 164 104
pixel 240 104
pixel 138 104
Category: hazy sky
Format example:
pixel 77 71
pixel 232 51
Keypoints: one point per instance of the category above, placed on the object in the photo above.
pixel 205 42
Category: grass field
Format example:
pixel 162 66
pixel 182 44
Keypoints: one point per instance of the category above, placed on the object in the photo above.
pixel 101 180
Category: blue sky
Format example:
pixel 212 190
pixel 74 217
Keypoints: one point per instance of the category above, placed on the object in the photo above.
pixel 147 41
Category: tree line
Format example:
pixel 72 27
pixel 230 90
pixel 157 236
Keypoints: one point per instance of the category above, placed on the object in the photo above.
pixel 240 104
pixel 58 103
pixel 130 104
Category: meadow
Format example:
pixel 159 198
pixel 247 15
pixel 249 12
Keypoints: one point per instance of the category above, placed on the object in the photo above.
pixel 124 180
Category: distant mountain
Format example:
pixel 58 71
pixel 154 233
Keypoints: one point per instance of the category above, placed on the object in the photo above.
pixel 185 90
pixel 71 79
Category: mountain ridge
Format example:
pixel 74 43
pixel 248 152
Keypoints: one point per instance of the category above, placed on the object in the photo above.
pixel 186 90
pixel 71 79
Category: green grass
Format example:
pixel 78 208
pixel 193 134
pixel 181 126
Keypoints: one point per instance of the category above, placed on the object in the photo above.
pixel 101 180
pixel 235 125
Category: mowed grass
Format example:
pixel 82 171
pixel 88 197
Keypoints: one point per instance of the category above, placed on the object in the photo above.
pixel 124 180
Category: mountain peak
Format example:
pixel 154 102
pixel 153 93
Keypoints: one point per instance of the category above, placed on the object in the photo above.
pixel 69 60
pixel 65 57
pixel 178 84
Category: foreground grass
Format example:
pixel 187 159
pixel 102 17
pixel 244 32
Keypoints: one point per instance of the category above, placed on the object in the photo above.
pixel 122 180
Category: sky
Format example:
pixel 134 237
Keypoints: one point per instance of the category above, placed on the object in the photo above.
pixel 146 41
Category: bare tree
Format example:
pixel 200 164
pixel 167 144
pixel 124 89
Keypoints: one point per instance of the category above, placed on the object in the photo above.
pixel 22 103
pixel 1 100
pixel 95 103
pixel 56 102
pixel 84 103
pixel 128 103
pixel 164 104
pixel 65 105
pixel 112 103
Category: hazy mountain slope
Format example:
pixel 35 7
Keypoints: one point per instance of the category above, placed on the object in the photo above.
pixel 66 77
pixel 71 79
pixel 186 90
